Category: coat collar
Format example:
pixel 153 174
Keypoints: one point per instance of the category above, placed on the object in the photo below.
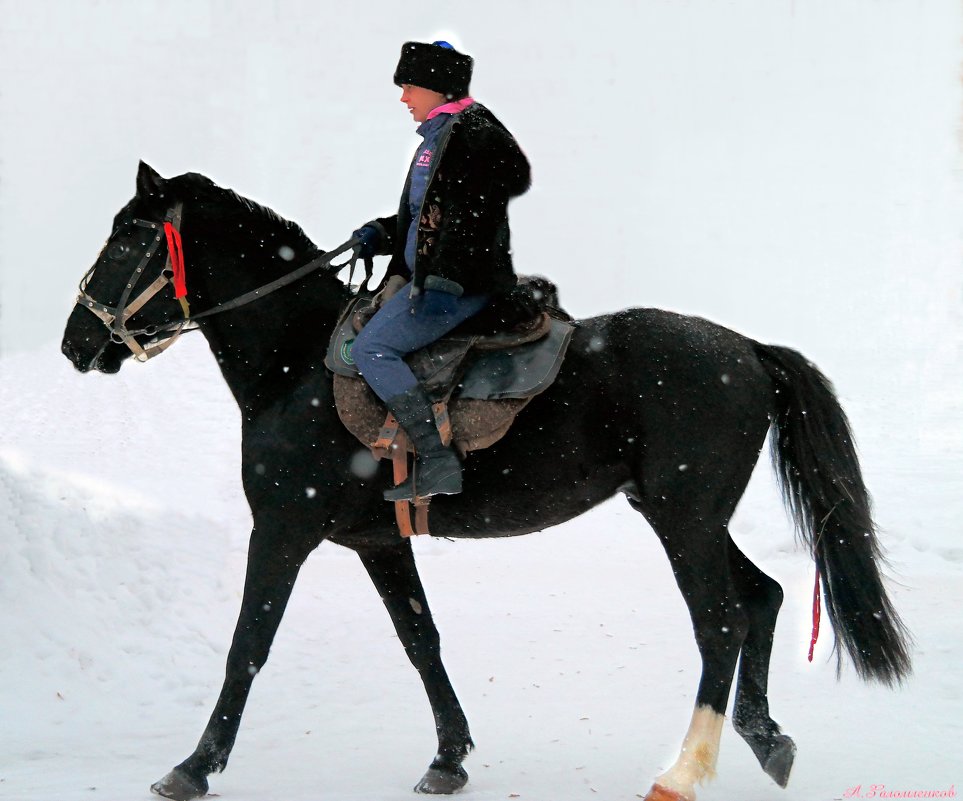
pixel 454 107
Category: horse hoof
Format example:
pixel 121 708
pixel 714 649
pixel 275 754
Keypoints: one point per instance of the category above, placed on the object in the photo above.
pixel 660 793
pixel 442 782
pixel 779 760
pixel 180 786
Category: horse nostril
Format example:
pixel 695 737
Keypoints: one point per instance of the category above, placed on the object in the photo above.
pixel 73 352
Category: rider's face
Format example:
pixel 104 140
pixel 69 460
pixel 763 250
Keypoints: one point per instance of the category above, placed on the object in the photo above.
pixel 420 100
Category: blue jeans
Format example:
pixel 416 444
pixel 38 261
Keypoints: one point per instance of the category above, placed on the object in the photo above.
pixel 403 325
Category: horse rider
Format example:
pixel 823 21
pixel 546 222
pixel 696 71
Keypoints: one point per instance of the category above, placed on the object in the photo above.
pixel 449 245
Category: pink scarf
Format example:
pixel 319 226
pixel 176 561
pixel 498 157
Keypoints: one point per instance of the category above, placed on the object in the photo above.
pixel 451 108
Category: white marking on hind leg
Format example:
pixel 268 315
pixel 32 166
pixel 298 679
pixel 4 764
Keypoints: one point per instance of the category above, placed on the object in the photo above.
pixel 700 750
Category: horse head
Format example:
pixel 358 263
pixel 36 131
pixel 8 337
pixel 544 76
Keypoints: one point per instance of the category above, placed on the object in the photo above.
pixel 128 302
pixel 134 300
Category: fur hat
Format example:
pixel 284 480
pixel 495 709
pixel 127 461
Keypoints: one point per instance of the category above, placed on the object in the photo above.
pixel 436 66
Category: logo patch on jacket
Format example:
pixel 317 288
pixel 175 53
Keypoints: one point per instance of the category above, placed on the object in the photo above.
pixel 424 160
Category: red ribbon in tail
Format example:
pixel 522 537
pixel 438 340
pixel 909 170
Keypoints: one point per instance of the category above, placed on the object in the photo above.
pixel 816 613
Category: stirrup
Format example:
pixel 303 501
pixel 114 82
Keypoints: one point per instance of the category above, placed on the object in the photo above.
pixel 449 485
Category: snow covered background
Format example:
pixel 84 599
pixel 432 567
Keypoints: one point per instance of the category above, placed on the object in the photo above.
pixel 790 169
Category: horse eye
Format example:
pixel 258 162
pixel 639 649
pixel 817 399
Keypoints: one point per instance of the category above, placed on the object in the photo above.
pixel 117 251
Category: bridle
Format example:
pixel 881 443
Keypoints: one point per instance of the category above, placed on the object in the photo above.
pixel 116 317
pixel 164 335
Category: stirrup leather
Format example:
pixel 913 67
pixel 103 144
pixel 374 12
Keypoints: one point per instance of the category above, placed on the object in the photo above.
pixel 392 441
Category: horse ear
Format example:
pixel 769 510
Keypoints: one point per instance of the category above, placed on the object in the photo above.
pixel 149 181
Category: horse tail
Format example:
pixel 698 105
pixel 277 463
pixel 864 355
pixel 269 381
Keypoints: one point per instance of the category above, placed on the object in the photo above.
pixel 815 458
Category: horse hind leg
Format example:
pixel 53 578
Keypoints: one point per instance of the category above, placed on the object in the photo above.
pixel 697 553
pixel 761 598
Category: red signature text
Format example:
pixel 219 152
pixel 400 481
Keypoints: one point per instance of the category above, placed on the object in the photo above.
pixel 882 791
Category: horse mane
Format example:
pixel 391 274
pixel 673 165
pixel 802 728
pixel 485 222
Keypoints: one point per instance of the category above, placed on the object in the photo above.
pixel 204 188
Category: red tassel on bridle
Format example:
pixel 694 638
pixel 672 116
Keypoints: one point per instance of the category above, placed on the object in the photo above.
pixel 817 609
pixel 176 250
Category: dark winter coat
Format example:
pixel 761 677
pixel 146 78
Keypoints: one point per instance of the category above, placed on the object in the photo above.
pixel 464 243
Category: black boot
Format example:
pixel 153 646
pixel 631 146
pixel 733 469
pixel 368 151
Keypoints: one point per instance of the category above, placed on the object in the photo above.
pixel 437 468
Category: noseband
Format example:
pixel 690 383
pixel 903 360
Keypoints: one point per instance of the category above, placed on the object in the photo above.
pixel 116 317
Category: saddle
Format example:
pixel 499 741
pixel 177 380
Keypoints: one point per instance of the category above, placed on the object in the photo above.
pixel 479 377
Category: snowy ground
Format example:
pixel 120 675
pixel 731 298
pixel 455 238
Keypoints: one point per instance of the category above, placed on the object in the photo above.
pixel 788 169
pixel 124 545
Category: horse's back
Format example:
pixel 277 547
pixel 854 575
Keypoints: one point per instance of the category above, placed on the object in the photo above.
pixel 654 347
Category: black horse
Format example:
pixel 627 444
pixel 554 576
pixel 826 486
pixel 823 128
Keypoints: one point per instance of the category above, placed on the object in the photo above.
pixel 670 410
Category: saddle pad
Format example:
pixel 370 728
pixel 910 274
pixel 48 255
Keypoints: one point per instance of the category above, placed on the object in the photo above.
pixel 517 372
pixel 475 424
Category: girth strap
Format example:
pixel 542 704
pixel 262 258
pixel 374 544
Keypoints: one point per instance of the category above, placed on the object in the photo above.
pixel 389 431
pixel 421 515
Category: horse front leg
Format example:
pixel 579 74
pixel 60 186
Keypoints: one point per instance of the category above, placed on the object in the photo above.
pixel 273 563
pixel 394 573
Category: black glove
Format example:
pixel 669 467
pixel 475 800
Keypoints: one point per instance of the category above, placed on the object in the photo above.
pixel 370 243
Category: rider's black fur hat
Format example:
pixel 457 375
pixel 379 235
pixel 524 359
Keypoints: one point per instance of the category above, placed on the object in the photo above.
pixel 436 66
